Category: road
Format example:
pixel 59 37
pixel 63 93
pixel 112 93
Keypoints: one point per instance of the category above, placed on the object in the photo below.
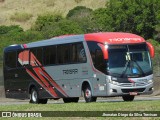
pixel 5 101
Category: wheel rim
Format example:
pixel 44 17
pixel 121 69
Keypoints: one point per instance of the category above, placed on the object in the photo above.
pixel 88 93
pixel 34 96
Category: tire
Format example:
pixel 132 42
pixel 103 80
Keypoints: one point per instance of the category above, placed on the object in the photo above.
pixel 69 100
pixel 88 95
pixel 34 97
pixel 128 97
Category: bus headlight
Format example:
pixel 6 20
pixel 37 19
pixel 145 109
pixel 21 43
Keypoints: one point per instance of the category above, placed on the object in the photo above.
pixel 150 81
pixel 113 82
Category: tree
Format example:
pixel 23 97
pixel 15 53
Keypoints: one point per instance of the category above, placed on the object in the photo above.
pixel 46 20
pixel 79 12
pixel 83 16
pixel 136 16
pixel 62 27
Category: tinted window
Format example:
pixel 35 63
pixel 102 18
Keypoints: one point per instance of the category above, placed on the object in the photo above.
pixel 97 56
pixel 81 53
pixel 17 59
pixel 49 55
pixel 63 53
pixel 74 56
pixel 37 54
pixel 10 59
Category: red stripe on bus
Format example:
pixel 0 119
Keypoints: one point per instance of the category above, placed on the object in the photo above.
pixel 42 69
pixel 42 80
pixel 33 58
pixel 55 84
pixel 44 85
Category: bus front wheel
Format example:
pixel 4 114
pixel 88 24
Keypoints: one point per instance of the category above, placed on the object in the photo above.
pixel 88 95
pixel 128 97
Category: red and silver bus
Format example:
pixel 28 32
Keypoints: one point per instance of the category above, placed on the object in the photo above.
pixel 90 65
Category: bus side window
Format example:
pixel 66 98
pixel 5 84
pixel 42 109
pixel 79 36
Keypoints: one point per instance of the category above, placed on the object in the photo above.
pixel 33 52
pixel 10 59
pixel 18 63
pixel 99 60
pixel 81 53
pixel 49 55
pixel 60 51
pixel 74 58
pixel 38 54
pixel 63 53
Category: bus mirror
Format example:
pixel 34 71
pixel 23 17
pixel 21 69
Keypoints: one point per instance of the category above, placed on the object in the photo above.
pixel 151 49
pixel 104 50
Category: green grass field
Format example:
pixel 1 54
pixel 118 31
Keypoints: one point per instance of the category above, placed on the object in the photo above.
pixel 98 106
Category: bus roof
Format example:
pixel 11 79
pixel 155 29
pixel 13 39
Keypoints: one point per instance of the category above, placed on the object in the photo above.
pixel 114 38
pixel 56 40
pixel 102 37
pixel 12 48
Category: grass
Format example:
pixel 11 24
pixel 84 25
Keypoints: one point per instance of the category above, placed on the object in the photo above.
pixel 98 106
pixel 9 8
pixel 21 17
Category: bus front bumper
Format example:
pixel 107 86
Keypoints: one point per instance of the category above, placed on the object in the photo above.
pixel 115 90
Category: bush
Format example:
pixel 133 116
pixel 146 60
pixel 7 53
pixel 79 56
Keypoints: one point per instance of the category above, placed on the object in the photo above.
pixel 84 18
pixel 46 20
pixel 29 36
pixel 10 29
pixel 62 27
pixel 79 12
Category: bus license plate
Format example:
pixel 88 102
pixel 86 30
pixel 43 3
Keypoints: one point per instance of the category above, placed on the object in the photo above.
pixel 133 93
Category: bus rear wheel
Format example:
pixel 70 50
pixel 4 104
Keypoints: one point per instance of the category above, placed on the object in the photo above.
pixel 34 97
pixel 128 97
pixel 88 95
pixel 69 100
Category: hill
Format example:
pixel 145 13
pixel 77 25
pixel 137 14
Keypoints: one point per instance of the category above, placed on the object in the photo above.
pixel 25 12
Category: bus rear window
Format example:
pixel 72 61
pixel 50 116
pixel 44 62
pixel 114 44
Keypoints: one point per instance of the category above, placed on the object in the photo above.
pixel 10 59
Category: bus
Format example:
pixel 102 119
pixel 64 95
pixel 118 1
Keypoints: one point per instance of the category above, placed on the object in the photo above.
pixel 105 64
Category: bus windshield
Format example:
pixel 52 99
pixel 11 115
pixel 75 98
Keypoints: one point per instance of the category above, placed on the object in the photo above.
pixel 129 61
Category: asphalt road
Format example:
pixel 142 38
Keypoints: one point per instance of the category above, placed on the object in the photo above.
pixel 5 101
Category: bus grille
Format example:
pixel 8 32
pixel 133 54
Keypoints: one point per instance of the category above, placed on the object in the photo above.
pixel 131 84
pixel 133 90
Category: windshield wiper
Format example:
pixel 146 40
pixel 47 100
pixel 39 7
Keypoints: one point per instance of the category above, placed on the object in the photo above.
pixel 139 67
pixel 127 65
pixel 124 71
